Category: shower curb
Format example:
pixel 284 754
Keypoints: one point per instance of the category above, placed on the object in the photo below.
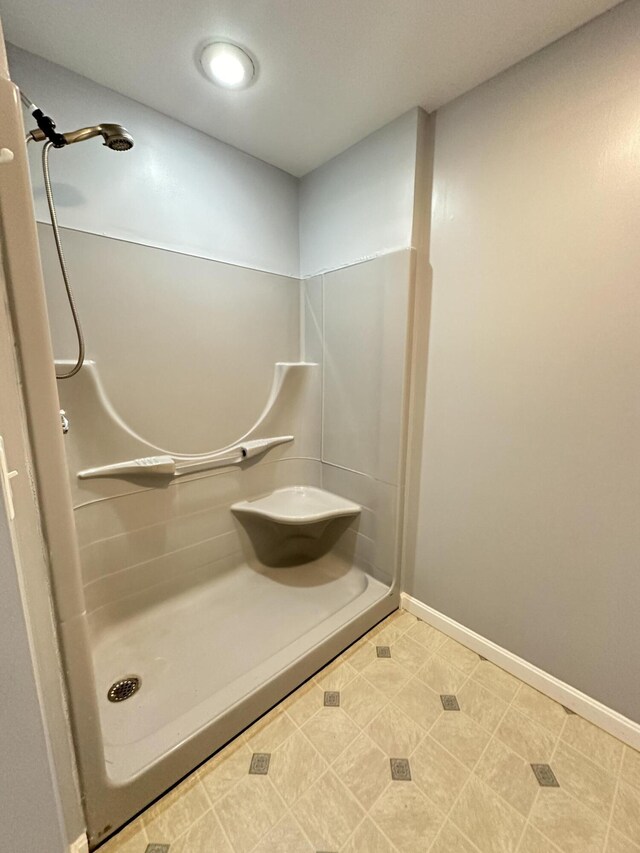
pixel 80 845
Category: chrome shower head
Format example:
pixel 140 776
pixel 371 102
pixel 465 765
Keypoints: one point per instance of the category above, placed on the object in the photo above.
pixel 115 136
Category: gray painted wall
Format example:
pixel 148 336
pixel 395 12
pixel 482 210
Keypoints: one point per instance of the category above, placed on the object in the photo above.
pixel 529 525
pixel 30 817
pixel 177 188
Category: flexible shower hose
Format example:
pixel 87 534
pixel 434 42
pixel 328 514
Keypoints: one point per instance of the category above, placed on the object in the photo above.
pixel 63 266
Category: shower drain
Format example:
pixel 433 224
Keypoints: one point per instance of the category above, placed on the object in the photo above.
pixel 123 689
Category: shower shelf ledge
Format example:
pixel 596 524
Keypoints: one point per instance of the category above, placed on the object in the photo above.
pixel 168 466
pixel 298 505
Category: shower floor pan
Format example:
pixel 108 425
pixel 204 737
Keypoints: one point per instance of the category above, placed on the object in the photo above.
pixel 199 652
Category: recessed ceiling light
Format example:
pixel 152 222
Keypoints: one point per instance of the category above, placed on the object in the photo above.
pixel 227 65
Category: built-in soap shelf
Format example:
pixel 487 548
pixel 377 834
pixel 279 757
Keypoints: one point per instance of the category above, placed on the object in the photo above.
pixel 89 406
pixel 167 466
pixel 298 505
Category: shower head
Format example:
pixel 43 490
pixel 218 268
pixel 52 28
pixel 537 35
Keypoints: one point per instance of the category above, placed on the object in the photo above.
pixel 115 137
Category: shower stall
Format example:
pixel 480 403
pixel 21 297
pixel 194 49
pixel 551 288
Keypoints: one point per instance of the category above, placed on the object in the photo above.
pixel 235 534
pixel 231 513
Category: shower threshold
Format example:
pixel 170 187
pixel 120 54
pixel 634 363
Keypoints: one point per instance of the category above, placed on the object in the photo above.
pixel 202 650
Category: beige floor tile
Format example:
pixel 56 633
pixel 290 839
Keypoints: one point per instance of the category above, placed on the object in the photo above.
pixel 330 730
pixel 249 812
pixel 440 676
pixel 481 705
pixel 406 620
pixel 484 816
pixel 509 775
pixel 593 742
pixel 540 708
pixel 304 702
pixel 335 676
pixel 630 772
pixel 419 702
pixel 176 811
pixel 426 635
pixel 131 839
pixel 571 826
pixel 364 769
pixel 451 840
pixel 619 844
pixel 387 634
pixel 204 836
pixel 386 675
pixel 226 768
pixel 385 623
pixel 496 680
pixel 285 837
pixel 328 813
pixel 437 773
pixel 461 736
pixel 626 812
pixel 398 704
pixel 406 817
pixel 409 654
pixel 396 734
pixel 269 732
pixel 367 839
pixel 588 782
pixel 362 701
pixel 534 842
pixel 295 766
pixel 459 656
pixel 360 655
pixel 525 737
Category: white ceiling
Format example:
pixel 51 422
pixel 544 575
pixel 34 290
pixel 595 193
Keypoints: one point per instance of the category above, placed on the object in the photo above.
pixel 330 71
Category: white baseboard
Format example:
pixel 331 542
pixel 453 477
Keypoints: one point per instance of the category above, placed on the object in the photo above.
pixel 80 845
pixel 606 718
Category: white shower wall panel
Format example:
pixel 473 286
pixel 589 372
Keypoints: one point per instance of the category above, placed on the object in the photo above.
pixel 185 346
pixel 366 321
pixel 356 324
pixel 374 539
pixel 191 530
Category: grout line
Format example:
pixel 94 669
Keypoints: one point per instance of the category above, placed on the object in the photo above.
pixel 428 734
pixel 472 773
pixel 590 758
pixel 389 701
pixel 538 793
pixel 610 826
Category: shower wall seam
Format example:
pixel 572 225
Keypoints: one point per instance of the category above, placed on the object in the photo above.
pixel 300 276
pixel 149 245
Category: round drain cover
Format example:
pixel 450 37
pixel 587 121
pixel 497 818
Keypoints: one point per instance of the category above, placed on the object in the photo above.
pixel 123 689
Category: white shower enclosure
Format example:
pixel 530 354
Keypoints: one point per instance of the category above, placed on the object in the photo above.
pixel 235 469
pixel 225 514
pixel 236 479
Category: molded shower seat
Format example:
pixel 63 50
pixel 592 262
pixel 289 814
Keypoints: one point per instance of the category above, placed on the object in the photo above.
pixel 298 505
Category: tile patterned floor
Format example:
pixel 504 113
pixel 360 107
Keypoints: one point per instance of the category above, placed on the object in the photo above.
pixel 406 742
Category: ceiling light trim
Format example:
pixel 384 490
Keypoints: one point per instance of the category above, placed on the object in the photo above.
pixel 227 64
